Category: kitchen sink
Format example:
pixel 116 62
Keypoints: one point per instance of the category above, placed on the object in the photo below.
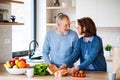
pixel 36 58
pixel 32 62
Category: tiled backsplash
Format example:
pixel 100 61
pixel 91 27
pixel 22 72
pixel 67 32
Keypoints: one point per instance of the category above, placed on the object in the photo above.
pixel 5 37
pixel 5 43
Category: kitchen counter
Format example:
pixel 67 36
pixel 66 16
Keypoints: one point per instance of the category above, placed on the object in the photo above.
pixel 91 75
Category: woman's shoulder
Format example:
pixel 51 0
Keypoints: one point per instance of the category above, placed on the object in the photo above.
pixel 97 39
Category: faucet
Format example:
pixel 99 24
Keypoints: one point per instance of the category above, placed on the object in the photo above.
pixel 31 51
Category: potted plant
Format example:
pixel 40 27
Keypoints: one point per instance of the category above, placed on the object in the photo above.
pixel 108 48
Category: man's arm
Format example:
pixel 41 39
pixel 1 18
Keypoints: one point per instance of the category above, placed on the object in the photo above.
pixel 46 49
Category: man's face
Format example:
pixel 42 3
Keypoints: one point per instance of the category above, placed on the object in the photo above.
pixel 64 26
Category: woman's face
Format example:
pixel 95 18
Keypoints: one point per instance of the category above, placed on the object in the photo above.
pixel 79 30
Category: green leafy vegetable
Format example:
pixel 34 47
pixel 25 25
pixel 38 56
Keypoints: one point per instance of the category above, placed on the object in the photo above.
pixel 41 69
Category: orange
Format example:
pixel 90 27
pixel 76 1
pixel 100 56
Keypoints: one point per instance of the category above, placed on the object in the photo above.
pixel 21 64
pixel 27 66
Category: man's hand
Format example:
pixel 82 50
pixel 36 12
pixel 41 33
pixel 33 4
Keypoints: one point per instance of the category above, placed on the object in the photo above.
pixel 63 66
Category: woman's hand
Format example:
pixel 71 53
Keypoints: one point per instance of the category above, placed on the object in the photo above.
pixel 73 70
pixel 63 66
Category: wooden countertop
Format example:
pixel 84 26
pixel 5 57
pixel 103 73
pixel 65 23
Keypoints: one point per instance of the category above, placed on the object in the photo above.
pixel 91 75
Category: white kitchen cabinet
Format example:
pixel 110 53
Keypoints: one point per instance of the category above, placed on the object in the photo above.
pixel 105 13
pixel 9 2
pixel 52 11
pixel 108 13
pixel 86 8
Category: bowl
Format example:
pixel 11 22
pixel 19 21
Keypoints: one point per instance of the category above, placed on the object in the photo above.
pixel 16 71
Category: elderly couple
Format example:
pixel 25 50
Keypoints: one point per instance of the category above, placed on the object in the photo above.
pixel 63 48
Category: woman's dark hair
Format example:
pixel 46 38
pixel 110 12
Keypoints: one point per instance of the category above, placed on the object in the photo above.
pixel 89 26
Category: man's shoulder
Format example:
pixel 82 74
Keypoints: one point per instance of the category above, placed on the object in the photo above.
pixel 50 32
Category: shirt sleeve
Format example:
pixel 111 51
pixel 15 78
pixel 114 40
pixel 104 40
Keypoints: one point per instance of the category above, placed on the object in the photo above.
pixel 75 55
pixel 46 49
pixel 93 54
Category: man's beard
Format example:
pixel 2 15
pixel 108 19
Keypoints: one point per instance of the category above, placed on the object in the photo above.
pixel 64 32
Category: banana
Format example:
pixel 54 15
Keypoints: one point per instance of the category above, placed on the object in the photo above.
pixel 7 64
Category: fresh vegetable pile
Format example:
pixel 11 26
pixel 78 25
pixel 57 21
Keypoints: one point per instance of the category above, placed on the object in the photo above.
pixel 79 74
pixel 41 69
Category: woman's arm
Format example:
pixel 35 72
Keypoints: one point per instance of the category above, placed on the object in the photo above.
pixel 93 53
pixel 74 56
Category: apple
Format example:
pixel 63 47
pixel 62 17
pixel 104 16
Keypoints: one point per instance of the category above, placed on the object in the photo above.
pixel 15 58
pixel 15 67
pixel 12 63
pixel 16 61
pixel 22 59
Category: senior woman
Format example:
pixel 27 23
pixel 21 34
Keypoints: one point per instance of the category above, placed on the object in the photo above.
pixel 89 48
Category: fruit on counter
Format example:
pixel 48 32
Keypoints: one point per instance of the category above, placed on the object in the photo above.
pixel 15 58
pixel 15 67
pixel 80 73
pixel 12 63
pixel 7 64
pixel 27 66
pixel 21 64
pixel 22 59
pixel 17 63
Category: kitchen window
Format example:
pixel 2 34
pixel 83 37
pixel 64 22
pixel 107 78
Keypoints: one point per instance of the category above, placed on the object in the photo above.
pixel 22 35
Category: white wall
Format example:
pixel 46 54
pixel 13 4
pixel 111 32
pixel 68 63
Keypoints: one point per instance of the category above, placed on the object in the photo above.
pixel 41 22
pixel 110 35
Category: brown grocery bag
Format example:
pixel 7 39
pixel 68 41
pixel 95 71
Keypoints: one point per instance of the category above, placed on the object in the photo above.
pixel 116 62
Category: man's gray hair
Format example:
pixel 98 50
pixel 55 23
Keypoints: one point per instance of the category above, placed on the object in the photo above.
pixel 60 17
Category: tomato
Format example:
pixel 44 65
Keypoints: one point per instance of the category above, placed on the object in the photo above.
pixel 76 75
pixel 79 75
pixel 73 75
pixel 84 75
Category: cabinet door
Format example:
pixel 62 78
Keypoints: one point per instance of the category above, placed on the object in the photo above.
pixel 108 13
pixel 86 8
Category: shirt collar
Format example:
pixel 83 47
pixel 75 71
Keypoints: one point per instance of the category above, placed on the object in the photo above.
pixel 91 38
